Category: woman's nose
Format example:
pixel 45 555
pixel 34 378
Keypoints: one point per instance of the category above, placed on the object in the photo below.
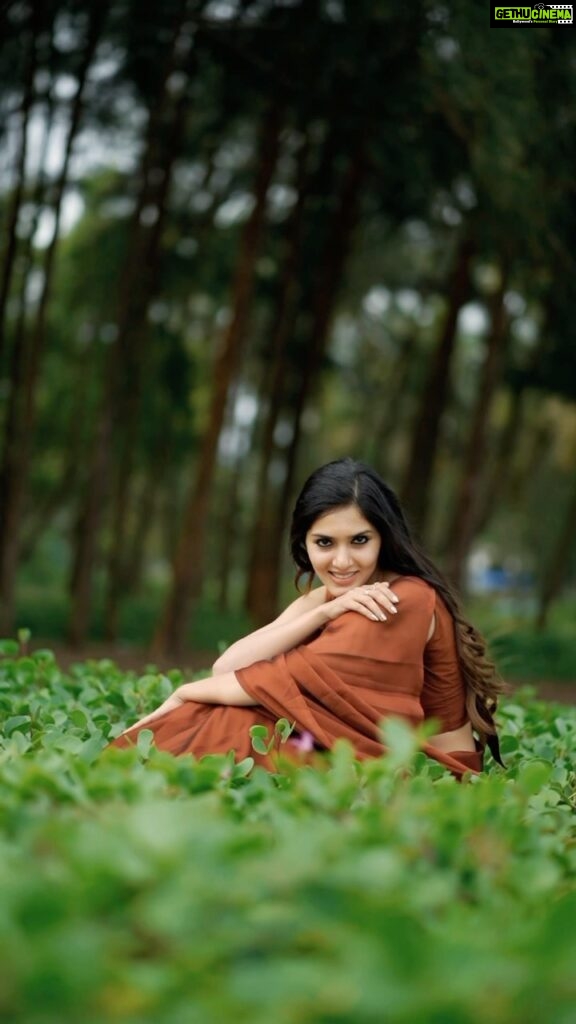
pixel 341 558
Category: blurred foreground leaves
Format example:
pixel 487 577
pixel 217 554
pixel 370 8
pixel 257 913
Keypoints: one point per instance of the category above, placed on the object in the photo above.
pixel 141 888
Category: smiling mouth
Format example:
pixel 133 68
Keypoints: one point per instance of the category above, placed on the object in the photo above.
pixel 343 577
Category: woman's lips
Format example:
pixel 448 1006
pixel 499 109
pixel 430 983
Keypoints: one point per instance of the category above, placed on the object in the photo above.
pixel 344 579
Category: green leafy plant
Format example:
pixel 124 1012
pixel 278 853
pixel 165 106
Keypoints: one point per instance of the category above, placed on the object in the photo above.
pixel 138 887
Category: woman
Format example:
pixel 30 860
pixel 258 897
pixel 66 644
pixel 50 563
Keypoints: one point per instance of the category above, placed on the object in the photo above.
pixel 350 652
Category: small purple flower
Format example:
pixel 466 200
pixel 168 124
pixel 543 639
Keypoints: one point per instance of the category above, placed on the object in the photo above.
pixel 303 741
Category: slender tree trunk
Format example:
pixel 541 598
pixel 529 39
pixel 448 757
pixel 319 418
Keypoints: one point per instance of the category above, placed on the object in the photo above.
pixel 187 566
pixel 499 479
pixel 87 533
pixel 271 397
pixel 335 256
pixel 337 247
pixel 418 479
pixel 26 255
pixel 120 400
pixel 229 534
pixel 463 524
pixel 26 365
pixel 556 569
pixel 144 514
pixel 20 178
pixel 141 283
pixel 499 473
pixel 387 422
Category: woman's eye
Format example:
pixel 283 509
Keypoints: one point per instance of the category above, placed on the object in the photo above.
pixel 361 539
pixel 323 542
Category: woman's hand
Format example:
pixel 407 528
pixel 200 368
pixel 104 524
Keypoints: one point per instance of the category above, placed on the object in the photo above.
pixel 374 600
pixel 175 700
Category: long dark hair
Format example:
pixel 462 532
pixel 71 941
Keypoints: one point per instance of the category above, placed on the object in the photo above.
pixel 347 482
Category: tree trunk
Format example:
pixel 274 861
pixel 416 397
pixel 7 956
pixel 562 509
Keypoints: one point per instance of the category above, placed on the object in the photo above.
pixel 26 365
pixel 499 479
pixel 121 380
pixel 387 423
pixel 337 246
pixel 20 175
pixel 87 532
pixel 141 283
pixel 143 520
pixel 271 398
pixel 228 534
pixel 418 478
pixel 26 254
pixel 187 566
pixel 556 569
pixel 500 471
pixel 463 524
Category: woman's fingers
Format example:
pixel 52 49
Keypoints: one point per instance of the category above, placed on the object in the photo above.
pixel 385 597
pixel 370 607
pixel 374 600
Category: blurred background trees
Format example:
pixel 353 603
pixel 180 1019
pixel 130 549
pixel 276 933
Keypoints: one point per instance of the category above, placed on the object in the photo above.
pixel 240 238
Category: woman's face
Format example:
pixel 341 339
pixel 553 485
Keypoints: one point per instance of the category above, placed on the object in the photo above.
pixel 343 548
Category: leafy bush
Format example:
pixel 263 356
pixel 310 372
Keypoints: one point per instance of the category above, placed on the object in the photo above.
pixel 145 889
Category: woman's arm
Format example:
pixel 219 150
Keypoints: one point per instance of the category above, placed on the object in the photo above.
pixel 220 689
pixel 300 620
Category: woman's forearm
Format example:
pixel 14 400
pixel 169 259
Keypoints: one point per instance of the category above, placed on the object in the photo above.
pixel 271 640
pixel 222 688
pixel 219 689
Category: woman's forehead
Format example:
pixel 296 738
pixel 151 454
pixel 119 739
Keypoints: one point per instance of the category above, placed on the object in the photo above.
pixel 346 520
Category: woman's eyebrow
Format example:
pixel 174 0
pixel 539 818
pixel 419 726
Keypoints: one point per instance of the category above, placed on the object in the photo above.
pixel 327 536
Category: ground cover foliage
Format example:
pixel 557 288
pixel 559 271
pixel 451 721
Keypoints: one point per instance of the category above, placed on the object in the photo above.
pixel 140 888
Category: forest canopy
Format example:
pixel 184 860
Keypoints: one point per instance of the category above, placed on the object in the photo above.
pixel 242 238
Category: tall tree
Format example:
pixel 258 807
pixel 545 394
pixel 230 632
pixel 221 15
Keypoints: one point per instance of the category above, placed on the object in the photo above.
pixel 187 566
pixel 463 523
pixel 115 435
pixel 15 468
pixel 28 94
pixel 140 283
pixel 426 433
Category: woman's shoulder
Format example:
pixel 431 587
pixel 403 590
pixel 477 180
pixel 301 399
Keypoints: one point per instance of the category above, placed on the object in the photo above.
pixel 413 585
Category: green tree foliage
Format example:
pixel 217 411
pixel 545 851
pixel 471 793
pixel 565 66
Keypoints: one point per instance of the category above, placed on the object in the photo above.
pixel 396 279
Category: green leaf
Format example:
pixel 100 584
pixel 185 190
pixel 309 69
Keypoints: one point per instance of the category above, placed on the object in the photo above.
pixel 534 775
pixel 259 730
pixel 9 648
pixel 243 768
pixel 92 748
pixel 284 729
pixel 144 743
pixel 260 745
pixel 79 719
pixel 15 722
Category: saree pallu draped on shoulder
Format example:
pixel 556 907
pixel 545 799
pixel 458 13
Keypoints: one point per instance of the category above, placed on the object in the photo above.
pixel 341 684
